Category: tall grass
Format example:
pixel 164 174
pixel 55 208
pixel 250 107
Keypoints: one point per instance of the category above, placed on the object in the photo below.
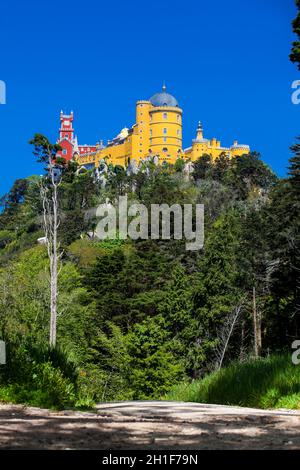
pixel 272 382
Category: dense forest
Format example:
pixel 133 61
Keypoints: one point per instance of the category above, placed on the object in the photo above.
pixel 135 318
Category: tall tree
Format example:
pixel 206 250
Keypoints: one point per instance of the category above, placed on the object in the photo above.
pixel 295 54
pixel 294 168
pixel 46 153
pixel 202 166
pixel 176 308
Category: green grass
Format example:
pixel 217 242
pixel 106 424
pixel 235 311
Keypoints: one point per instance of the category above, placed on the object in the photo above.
pixel 272 382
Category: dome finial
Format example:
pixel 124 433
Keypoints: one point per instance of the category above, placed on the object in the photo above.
pixel 164 88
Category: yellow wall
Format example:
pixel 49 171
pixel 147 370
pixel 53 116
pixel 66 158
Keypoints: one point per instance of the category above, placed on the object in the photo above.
pixel 213 148
pixel 166 132
pixel 140 147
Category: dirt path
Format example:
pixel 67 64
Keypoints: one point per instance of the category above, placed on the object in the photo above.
pixel 149 425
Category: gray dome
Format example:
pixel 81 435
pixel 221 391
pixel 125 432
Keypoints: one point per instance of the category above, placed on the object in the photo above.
pixel 163 99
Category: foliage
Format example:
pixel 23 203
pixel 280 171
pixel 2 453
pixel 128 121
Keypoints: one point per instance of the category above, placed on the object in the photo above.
pixel 295 54
pixel 137 317
pixel 153 367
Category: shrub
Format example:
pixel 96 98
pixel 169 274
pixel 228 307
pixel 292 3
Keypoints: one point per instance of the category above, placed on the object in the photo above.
pixel 38 376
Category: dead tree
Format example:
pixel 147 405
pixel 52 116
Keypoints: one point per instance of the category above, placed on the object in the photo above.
pixel 46 153
pixel 256 326
pixel 225 334
pixel 258 295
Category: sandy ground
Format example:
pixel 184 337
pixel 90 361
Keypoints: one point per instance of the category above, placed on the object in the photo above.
pixel 149 425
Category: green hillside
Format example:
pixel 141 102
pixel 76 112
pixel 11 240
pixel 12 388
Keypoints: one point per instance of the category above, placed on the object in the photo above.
pixel 137 317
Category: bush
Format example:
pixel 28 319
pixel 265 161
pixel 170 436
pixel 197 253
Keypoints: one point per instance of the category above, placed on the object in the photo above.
pixel 38 376
pixel 45 388
pixel 60 392
pixel 97 385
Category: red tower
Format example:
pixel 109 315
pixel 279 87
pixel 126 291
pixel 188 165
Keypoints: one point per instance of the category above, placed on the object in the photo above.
pixel 66 136
pixel 67 140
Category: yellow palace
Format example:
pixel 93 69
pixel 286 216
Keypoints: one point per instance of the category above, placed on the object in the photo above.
pixel 157 132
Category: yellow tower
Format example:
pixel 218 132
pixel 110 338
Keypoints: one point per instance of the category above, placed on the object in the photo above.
pixel 165 130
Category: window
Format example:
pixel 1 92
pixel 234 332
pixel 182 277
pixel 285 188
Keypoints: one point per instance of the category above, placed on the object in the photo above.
pixel 64 151
pixel 151 132
pixel 66 135
pixel 178 117
pixel 165 139
pixel 165 130
pixel 178 132
pixel 165 115
pixel 165 149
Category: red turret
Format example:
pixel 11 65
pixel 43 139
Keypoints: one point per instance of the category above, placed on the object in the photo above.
pixel 66 136
pixel 67 141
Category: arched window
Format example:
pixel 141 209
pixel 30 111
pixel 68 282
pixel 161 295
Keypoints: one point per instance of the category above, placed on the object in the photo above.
pixel 165 149
pixel 165 115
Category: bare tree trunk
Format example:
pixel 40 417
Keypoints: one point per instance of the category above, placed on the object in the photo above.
pixel 54 271
pixel 254 321
pixel 259 337
pixel 256 326
pixel 242 345
pixel 51 225
pixel 225 334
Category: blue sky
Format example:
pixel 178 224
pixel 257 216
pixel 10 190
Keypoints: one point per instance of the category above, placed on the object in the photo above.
pixel 225 61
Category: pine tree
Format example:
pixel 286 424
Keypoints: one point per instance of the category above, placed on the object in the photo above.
pixel 177 310
pixel 295 54
pixel 154 368
pixel 216 290
pixel 294 168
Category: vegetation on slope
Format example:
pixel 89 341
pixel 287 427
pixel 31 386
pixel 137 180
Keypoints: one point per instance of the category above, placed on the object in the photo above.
pixel 272 382
pixel 137 317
